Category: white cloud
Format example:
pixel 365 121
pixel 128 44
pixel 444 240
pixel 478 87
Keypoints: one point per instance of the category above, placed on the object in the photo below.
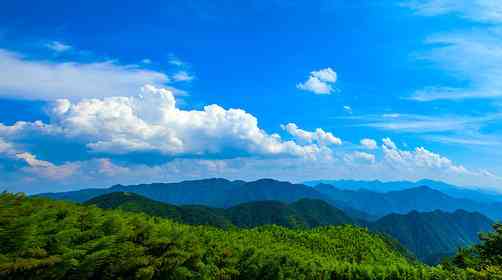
pixel 473 55
pixel 151 122
pixel 182 76
pixel 58 46
pixel 45 169
pixel 347 109
pixel 488 11
pixel 360 157
pixel 418 158
pixel 47 80
pixel 318 136
pixel 369 144
pixel 427 124
pixel 320 81
pixel 176 61
pixel 325 75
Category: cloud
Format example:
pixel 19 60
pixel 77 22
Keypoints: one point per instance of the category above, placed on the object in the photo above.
pixel 369 144
pixel 176 61
pixel 410 123
pixel 58 46
pixel 182 76
pixel 318 136
pixel 473 56
pixel 320 82
pixel 46 80
pixel 487 11
pixel 361 157
pixel 146 61
pixel 347 109
pixel 151 123
pixel 420 158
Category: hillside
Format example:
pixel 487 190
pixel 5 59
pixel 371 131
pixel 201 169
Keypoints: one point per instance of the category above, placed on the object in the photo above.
pixel 429 235
pixel 47 239
pixel 432 235
pixel 305 213
pixel 190 214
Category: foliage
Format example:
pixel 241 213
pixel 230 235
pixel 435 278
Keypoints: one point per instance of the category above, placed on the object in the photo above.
pixel 484 258
pixel 305 213
pixel 44 239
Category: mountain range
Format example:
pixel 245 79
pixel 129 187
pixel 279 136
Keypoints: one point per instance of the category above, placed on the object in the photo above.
pixel 472 193
pixel 361 204
pixel 421 198
pixel 304 213
pixel 429 235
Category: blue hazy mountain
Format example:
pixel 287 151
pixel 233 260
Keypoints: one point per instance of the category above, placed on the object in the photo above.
pixel 218 193
pixel 421 199
pixel 472 193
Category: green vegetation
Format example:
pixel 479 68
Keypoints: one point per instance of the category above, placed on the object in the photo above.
pixel 305 213
pixel 433 235
pixel 45 239
pixel 188 214
pixel 485 258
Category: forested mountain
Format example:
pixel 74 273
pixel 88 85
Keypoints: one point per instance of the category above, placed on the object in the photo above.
pixel 47 239
pixel 430 236
pixel 422 199
pixel 359 204
pixel 187 214
pixel 219 193
pixel 44 239
pixel 304 213
pixel 433 235
pixel 472 193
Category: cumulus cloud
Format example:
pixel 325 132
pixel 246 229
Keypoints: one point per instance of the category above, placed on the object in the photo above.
pixel 152 123
pixel 418 158
pixel 320 81
pixel 58 46
pixel 318 136
pixel 369 144
pixel 361 157
pixel 46 80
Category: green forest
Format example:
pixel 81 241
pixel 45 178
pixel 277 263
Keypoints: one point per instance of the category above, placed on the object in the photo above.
pixel 46 239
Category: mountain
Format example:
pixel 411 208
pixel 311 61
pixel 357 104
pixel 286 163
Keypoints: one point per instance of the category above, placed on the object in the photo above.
pixel 304 213
pixel 471 193
pixel 189 214
pixel 47 239
pixel 215 192
pixel 218 193
pixel 433 235
pixel 422 199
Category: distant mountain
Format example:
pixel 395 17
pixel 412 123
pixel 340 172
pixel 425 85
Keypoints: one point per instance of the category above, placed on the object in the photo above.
pixel 423 199
pixel 471 193
pixel 433 235
pixel 305 213
pixel 218 193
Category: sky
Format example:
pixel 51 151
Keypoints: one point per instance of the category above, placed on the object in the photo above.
pixel 97 93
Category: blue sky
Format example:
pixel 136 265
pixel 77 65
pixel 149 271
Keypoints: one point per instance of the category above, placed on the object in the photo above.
pixel 94 94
